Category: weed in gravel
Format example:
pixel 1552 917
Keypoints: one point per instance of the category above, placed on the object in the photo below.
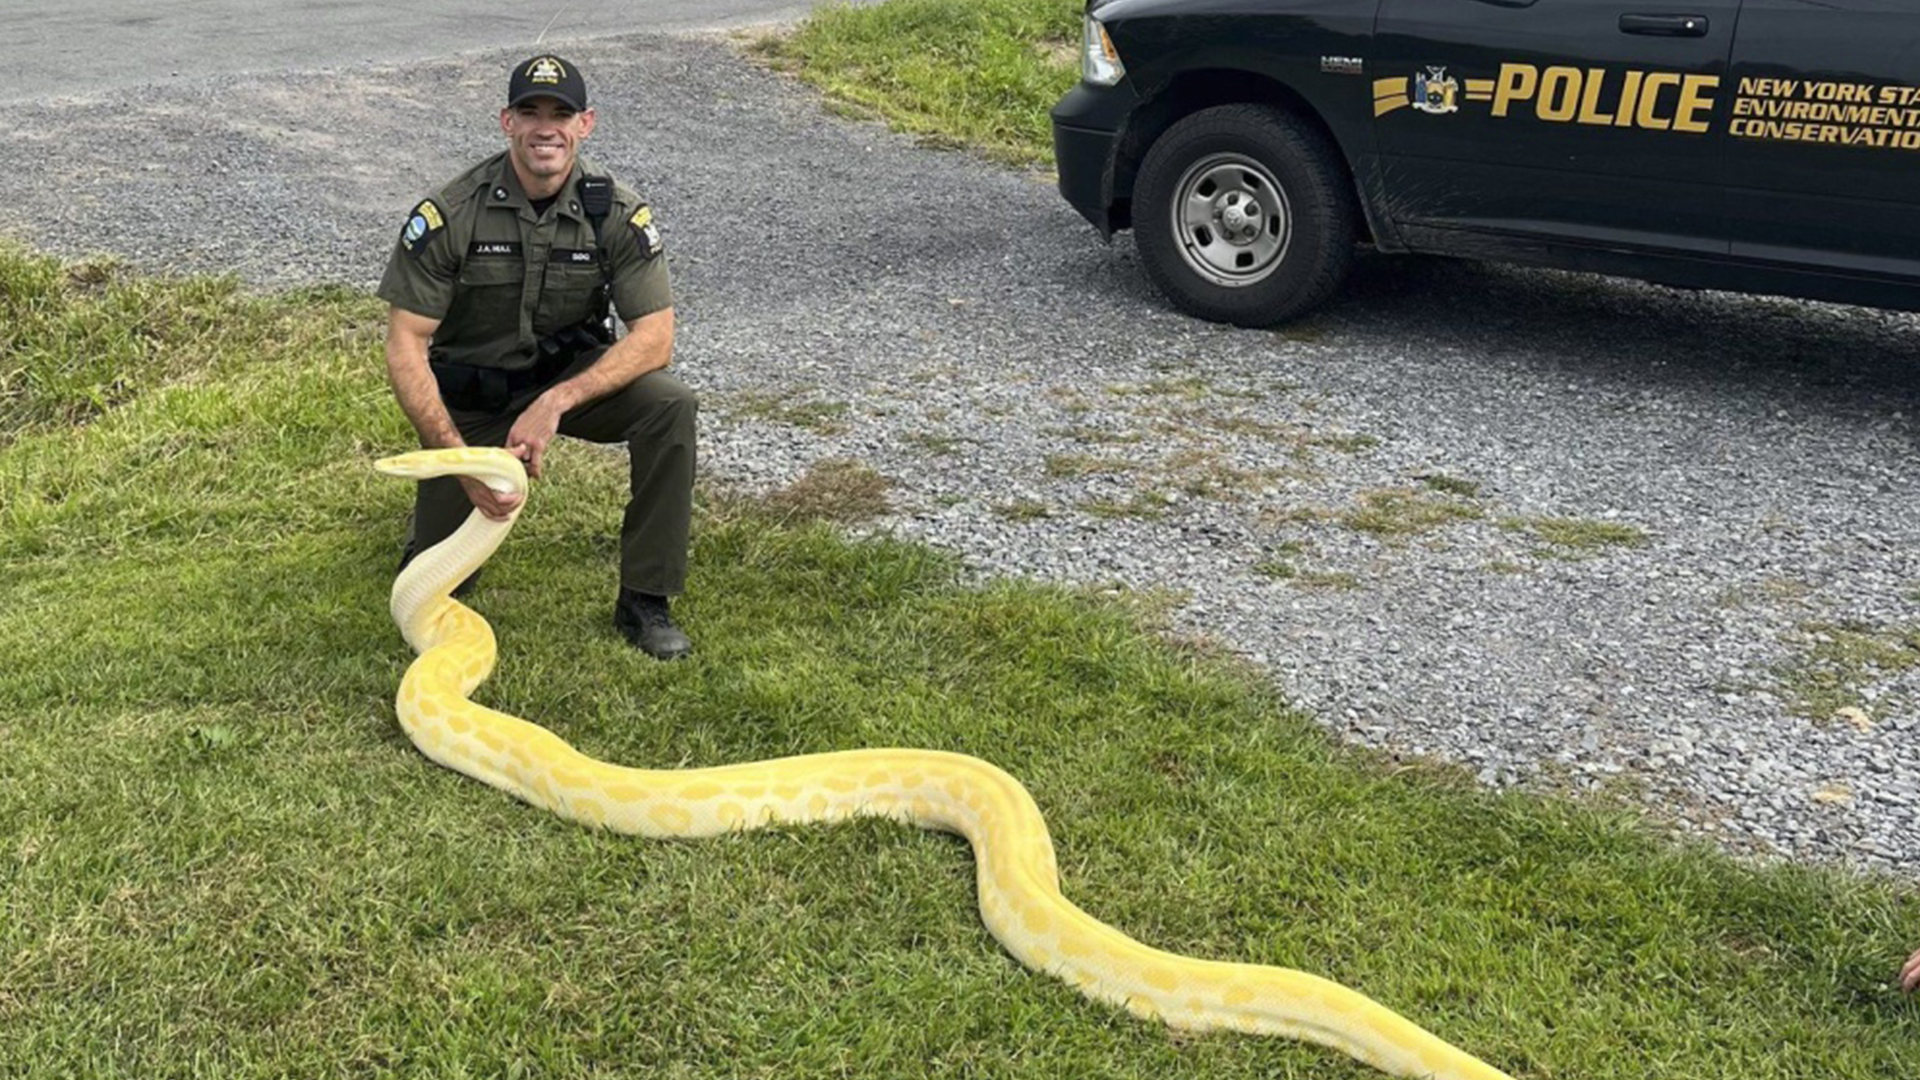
pixel 1773 590
pixel 1235 424
pixel 1146 505
pixel 1838 662
pixel 1338 581
pixel 1345 444
pixel 937 445
pixel 1175 382
pixel 1022 510
pixel 1188 388
pixel 834 489
pixel 1301 442
pixel 1401 512
pixel 1575 537
pixel 788 407
pixel 1448 485
pixel 1280 565
pixel 1205 474
pixel 1070 399
pixel 1279 570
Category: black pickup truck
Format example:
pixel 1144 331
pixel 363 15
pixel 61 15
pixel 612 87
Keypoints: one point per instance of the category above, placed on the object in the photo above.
pixel 1763 146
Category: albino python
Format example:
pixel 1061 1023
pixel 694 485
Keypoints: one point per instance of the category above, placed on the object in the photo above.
pixel 1019 884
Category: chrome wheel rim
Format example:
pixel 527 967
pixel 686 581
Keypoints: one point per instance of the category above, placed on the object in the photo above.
pixel 1231 219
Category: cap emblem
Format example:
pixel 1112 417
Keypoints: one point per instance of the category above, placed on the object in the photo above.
pixel 546 70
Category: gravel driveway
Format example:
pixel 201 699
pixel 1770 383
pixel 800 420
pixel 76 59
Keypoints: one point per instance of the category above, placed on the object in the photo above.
pixel 1570 532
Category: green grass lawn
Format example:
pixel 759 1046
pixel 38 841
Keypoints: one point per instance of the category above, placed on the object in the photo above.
pixel 220 858
pixel 976 73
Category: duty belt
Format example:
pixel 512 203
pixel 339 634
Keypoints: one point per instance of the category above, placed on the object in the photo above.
pixel 471 388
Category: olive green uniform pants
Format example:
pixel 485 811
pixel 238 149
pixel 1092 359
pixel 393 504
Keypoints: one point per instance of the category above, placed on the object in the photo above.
pixel 654 416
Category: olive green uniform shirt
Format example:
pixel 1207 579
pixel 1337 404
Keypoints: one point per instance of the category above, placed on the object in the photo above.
pixel 498 278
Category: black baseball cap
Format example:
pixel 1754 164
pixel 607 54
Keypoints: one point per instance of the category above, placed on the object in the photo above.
pixel 547 76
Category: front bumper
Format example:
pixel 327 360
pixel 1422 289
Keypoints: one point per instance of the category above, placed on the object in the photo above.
pixel 1088 127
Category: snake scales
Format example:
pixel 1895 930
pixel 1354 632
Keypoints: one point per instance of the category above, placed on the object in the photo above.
pixel 1018 882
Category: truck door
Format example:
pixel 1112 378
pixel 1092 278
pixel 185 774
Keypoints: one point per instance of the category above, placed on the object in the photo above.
pixel 1825 147
pixel 1597 121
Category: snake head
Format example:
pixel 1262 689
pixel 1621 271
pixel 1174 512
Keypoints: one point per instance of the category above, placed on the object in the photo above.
pixel 499 469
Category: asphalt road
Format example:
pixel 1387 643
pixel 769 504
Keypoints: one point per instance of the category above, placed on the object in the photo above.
pixel 84 46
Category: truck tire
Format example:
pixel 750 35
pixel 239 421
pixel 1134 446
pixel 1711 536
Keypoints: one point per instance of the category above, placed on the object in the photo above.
pixel 1244 214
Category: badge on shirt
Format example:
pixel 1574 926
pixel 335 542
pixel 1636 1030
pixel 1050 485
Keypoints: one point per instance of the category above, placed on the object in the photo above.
pixel 425 220
pixel 645 232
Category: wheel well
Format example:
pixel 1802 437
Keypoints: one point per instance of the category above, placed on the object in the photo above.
pixel 1187 94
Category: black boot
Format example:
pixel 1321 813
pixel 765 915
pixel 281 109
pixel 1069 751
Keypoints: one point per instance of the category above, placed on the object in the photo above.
pixel 647 625
pixel 459 590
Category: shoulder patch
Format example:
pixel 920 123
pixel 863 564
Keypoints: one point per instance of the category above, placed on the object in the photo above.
pixel 425 220
pixel 645 231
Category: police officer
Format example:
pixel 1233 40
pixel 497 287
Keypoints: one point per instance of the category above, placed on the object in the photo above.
pixel 498 335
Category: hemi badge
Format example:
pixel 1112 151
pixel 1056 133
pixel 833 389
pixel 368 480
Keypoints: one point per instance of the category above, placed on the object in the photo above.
pixel 1343 65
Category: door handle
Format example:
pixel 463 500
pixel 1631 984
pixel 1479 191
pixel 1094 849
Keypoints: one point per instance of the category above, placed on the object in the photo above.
pixel 1664 25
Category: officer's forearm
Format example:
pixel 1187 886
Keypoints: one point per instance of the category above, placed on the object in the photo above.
pixel 647 347
pixel 419 395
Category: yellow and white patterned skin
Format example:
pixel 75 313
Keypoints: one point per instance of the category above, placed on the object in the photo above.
pixel 1018 882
